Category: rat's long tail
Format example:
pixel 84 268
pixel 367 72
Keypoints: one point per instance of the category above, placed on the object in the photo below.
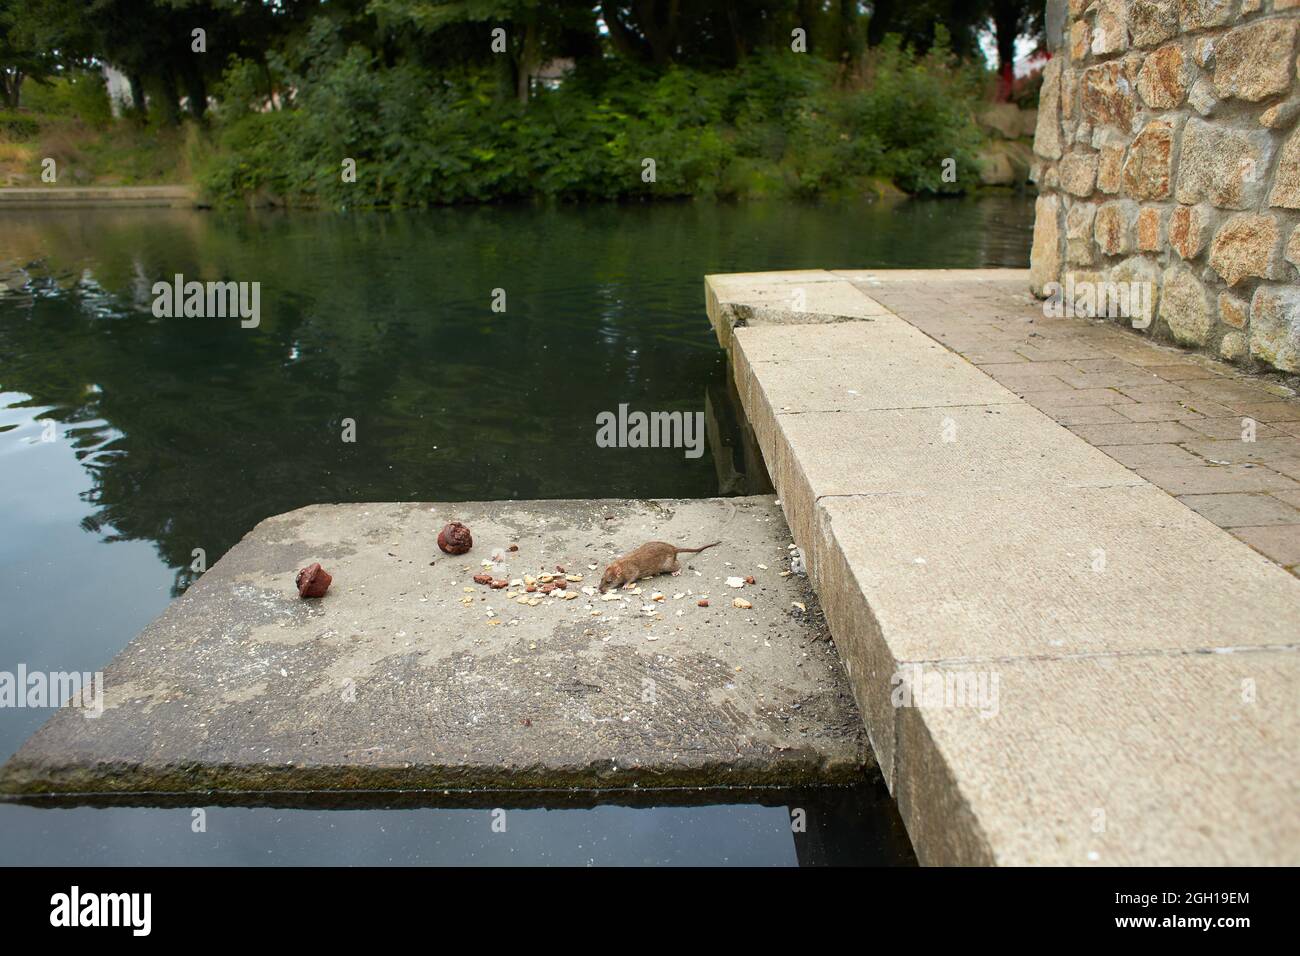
pixel 697 550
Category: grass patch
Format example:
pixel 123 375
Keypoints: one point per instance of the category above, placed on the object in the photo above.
pixel 120 153
pixel 69 119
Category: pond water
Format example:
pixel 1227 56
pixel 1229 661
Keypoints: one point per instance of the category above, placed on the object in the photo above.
pixel 129 441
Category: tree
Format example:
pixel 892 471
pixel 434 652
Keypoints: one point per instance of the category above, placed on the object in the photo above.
pixel 644 29
pixel 915 22
pixel 26 48
pixel 1011 20
pixel 721 33
pixel 534 32
pixel 150 41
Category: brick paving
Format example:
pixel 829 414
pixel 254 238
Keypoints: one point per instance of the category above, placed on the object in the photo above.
pixel 1180 420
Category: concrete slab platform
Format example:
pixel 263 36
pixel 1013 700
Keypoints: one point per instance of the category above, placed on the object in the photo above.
pixel 1033 574
pixel 859 366
pixel 802 297
pixel 955 532
pixel 1053 572
pixel 1017 279
pixel 918 449
pixel 409 675
pixel 1185 760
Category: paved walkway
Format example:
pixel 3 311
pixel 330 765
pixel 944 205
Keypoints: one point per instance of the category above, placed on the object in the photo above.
pixel 1175 418
pixel 1097 673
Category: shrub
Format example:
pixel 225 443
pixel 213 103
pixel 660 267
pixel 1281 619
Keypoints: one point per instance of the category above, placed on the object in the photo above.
pixel 18 126
pixel 79 95
pixel 779 124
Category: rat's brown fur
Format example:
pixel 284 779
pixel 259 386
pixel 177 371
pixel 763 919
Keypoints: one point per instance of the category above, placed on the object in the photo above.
pixel 653 557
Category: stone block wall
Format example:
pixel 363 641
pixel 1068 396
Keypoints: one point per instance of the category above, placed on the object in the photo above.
pixel 1167 151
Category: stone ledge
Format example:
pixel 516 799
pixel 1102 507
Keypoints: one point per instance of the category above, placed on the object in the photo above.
pixel 978 556
pixel 242 686
pixel 782 298
pixel 69 197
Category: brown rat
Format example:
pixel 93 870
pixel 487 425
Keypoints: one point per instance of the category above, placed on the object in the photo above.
pixel 653 557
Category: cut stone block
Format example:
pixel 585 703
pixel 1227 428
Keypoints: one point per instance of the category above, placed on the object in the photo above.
pixel 859 366
pixel 938 449
pixel 410 675
pixel 1186 760
pixel 1142 663
pixel 783 298
pixel 1036 571
pixel 1033 573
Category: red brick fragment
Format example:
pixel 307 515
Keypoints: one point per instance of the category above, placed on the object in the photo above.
pixel 313 581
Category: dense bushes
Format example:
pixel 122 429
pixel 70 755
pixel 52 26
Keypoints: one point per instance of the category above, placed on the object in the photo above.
pixel 780 124
pixel 18 125
pixel 79 95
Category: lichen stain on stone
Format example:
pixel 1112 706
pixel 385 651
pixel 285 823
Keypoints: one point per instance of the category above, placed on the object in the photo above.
pixel 242 695
pixel 141 696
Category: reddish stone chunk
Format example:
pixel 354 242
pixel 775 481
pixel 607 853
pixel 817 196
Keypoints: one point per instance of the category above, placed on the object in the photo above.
pixel 313 581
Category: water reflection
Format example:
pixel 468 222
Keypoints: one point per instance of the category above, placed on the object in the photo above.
pixel 192 430
pixel 819 826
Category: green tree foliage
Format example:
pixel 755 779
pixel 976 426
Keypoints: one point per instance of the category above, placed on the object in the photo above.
pixel 457 33
pixel 26 48
pixel 151 41
pixel 76 94
pixel 447 101
pixel 780 123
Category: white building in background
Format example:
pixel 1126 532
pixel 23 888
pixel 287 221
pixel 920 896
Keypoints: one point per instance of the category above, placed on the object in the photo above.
pixel 119 90
pixel 551 73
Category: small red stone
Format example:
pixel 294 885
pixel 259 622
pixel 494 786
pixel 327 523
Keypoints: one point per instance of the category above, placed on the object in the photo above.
pixel 750 579
pixel 313 581
pixel 530 588
pixel 546 588
pixel 562 584
pixel 455 538
pixel 560 568
pixel 513 547
pixel 482 579
pixel 702 603
pixel 498 585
